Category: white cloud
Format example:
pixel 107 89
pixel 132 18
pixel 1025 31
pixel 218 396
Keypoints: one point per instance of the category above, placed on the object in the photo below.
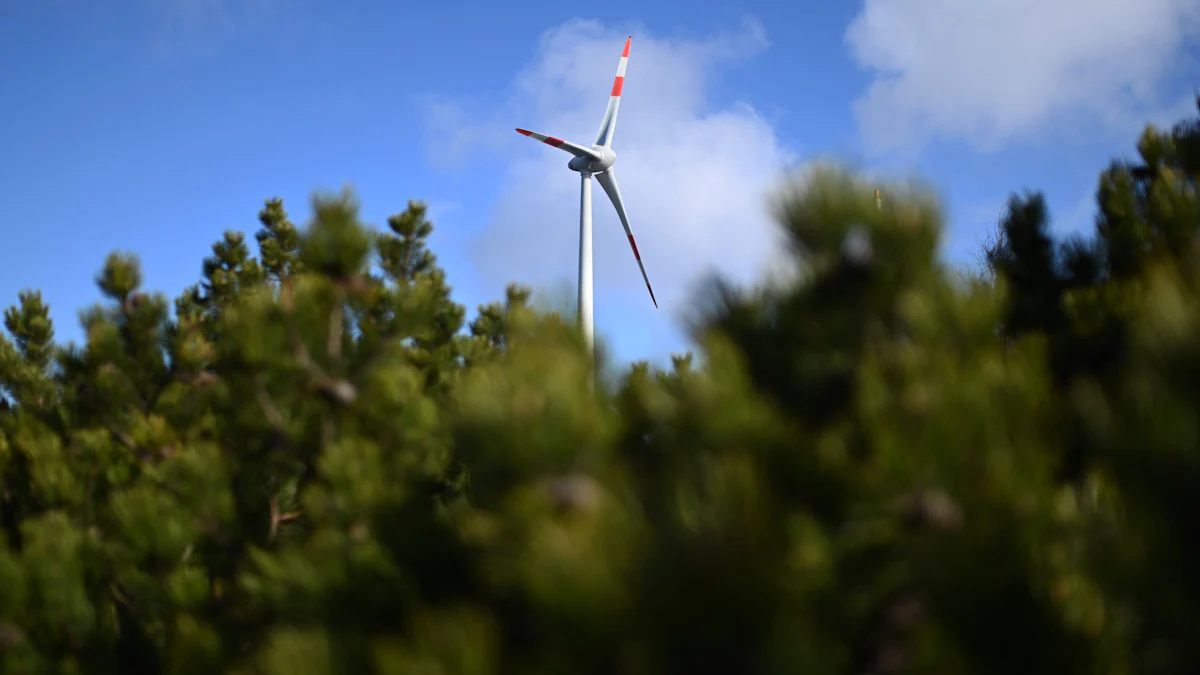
pixel 989 71
pixel 694 179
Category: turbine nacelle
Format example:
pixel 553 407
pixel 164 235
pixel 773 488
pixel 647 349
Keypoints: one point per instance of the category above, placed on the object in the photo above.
pixel 588 164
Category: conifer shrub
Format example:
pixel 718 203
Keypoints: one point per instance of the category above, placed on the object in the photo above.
pixel 311 462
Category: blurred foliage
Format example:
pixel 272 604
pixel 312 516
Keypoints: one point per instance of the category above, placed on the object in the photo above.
pixel 316 464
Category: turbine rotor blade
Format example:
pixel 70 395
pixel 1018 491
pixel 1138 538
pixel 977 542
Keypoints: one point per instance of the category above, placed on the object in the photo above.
pixel 609 125
pixel 608 181
pixel 577 150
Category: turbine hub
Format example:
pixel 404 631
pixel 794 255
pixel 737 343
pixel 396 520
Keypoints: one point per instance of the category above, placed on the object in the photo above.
pixel 588 165
pixel 608 157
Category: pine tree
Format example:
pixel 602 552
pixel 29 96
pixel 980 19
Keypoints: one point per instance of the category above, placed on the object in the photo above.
pixel 319 465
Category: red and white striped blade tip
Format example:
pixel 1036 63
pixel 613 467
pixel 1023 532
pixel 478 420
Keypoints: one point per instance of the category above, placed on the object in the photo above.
pixel 619 81
pixel 548 140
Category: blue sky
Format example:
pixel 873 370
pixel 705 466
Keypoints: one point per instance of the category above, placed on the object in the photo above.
pixel 154 125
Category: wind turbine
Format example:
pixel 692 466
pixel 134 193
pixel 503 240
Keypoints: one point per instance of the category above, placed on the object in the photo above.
pixel 596 161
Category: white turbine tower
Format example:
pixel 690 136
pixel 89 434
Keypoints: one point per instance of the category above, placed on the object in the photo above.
pixel 596 161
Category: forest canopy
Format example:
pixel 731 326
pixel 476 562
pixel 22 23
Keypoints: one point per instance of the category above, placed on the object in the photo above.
pixel 317 464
